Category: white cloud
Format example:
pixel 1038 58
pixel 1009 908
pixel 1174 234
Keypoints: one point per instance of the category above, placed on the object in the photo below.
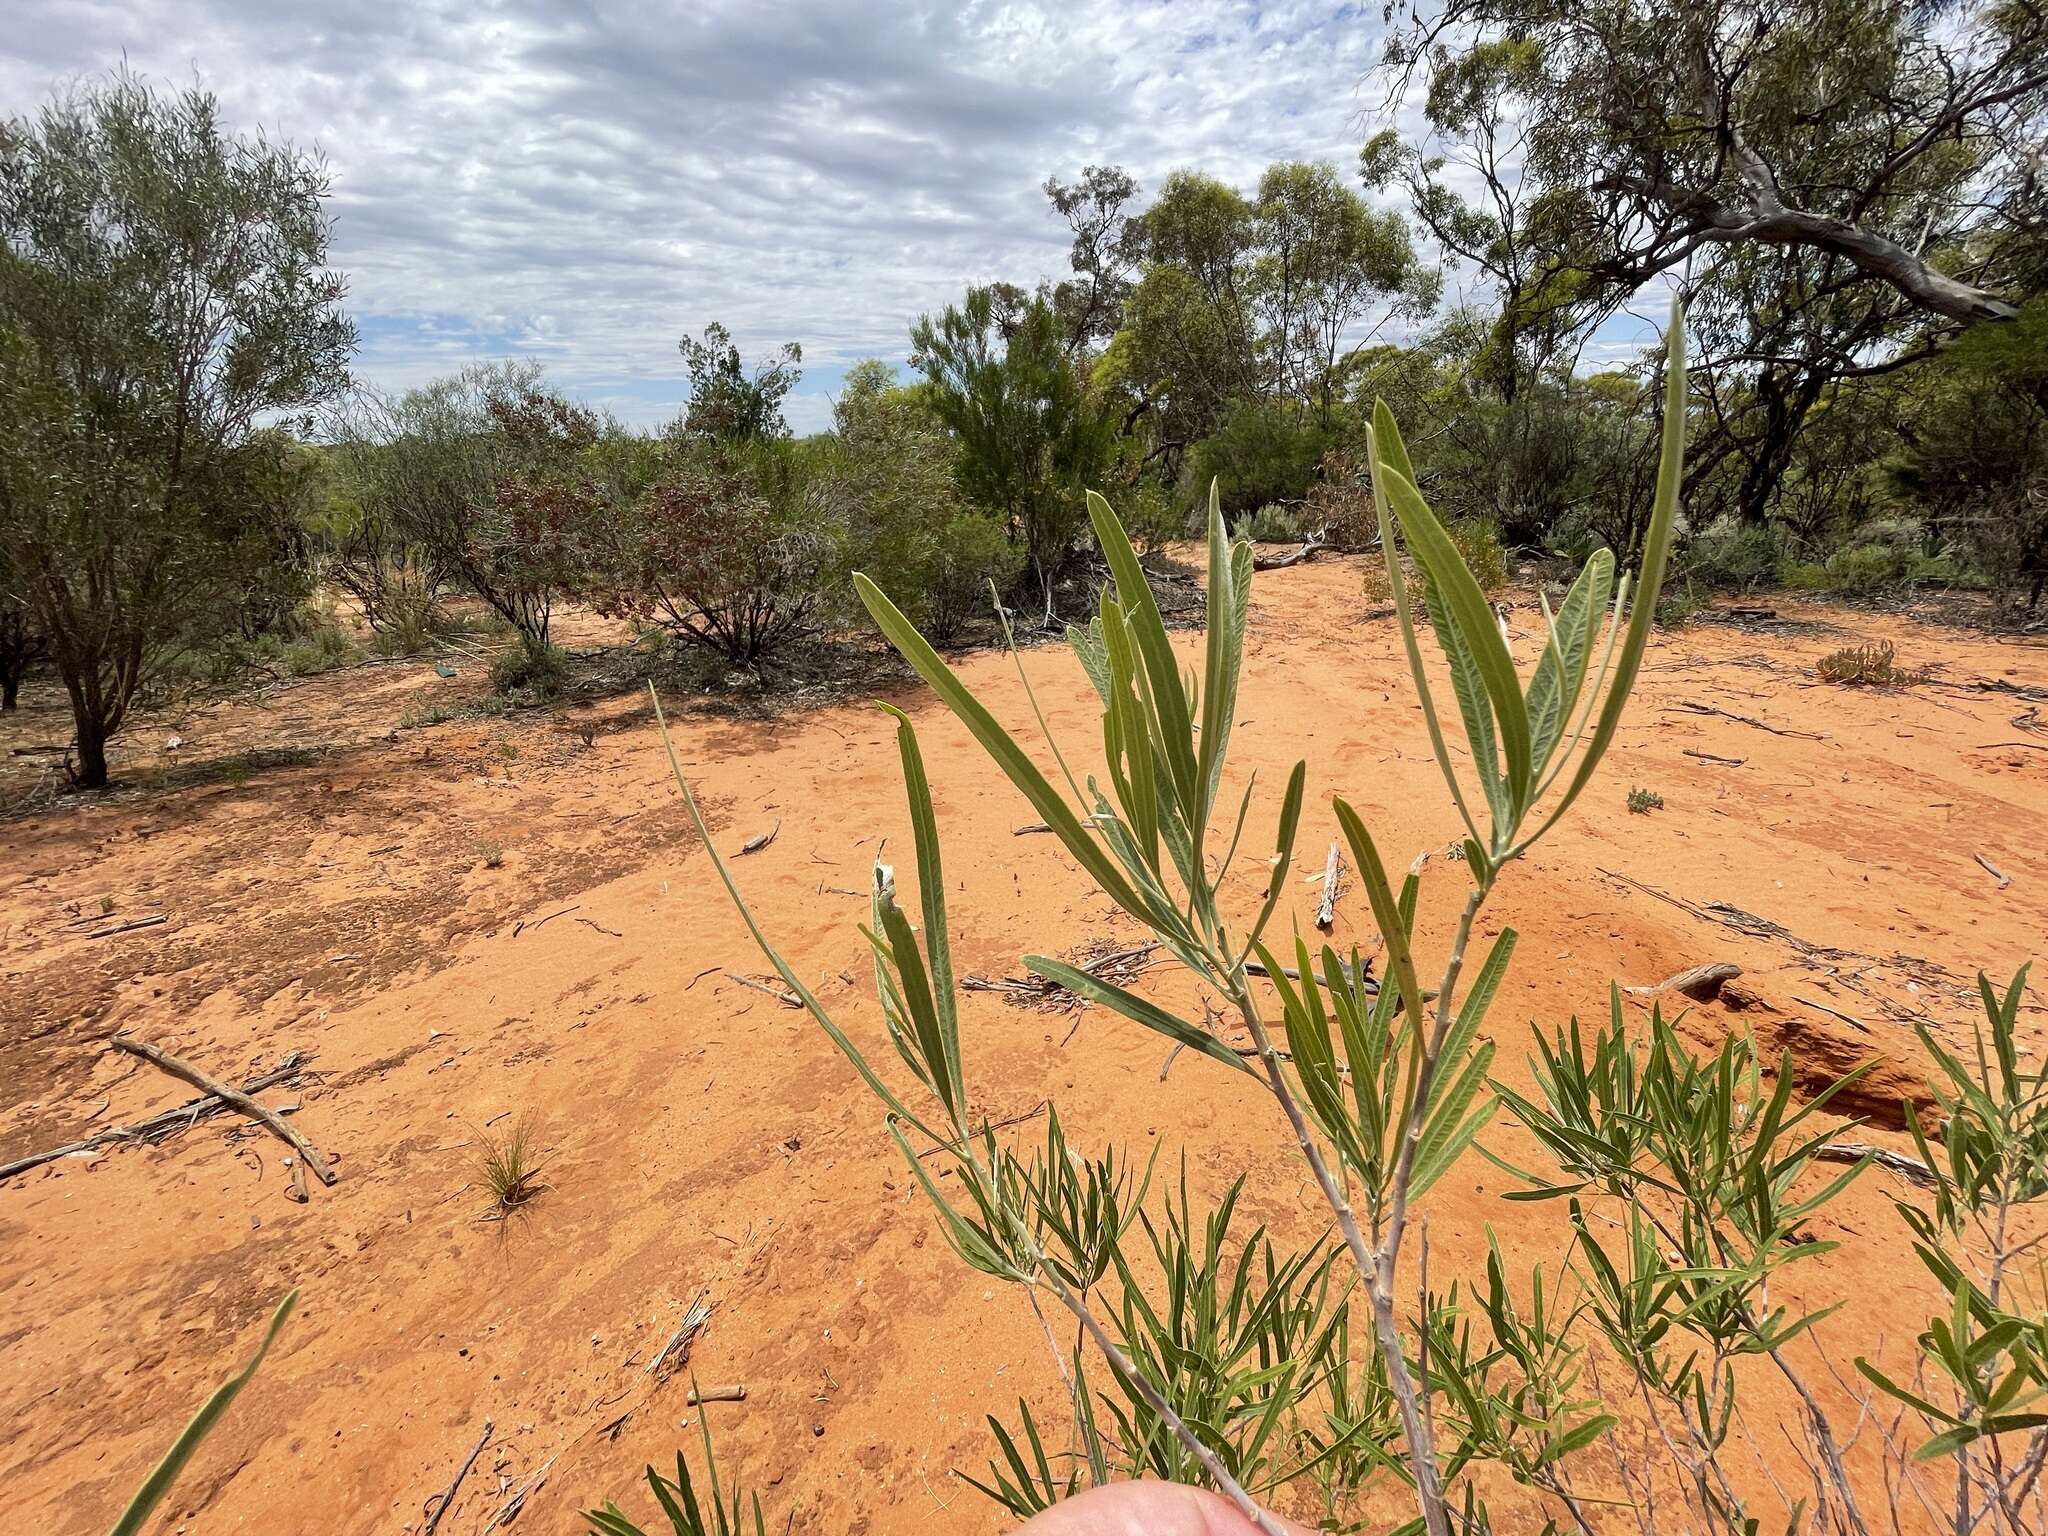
pixel 584 182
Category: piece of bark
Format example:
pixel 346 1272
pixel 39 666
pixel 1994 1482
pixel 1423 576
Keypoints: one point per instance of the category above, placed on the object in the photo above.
pixel 732 1394
pixel 757 843
pixel 1326 909
pixel 234 1098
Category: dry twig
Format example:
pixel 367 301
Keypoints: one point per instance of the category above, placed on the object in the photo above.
pixel 234 1098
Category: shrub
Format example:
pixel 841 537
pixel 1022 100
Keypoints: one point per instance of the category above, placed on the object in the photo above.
pixel 730 549
pixel 969 553
pixel 1274 525
pixel 1730 553
pixel 1868 666
pixel 491 852
pixel 531 667
pixel 508 1169
pixel 1643 801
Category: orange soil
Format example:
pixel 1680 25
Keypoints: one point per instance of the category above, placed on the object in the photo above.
pixel 703 1140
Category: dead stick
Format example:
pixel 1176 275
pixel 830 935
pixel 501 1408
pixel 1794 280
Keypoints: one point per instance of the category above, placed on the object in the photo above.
pixel 1326 910
pixel 140 922
pixel 448 1498
pixel 787 999
pixel 232 1097
pixel 186 1114
pixel 1993 871
pixel 1856 1151
pixel 1715 757
pixel 732 1394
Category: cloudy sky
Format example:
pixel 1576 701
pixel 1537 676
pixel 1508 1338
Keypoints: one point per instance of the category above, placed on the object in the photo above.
pixel 584 181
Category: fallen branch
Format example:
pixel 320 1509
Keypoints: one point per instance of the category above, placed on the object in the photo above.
pixel 448 1498
pixel 757 843
pixel 732 1394
pixel 1310 548
pixel 129 927
pixel 1994 871
pixel 1326 909
pixel 234 1098
pixel 787 999
pixel 166 1123
pixel 1712 757
pixel 1701 983
pixel 1028 828
pixel 1856 1151
pixel 1692 708
pixel 1993 746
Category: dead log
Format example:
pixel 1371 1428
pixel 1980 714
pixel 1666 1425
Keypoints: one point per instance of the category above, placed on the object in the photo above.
pixel 234 1098
pixel 167 1121
pixel 1701 983
pixel 1310 548
pixel 1326 909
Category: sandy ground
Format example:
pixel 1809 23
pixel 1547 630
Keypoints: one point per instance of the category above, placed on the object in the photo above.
pixel 703 1141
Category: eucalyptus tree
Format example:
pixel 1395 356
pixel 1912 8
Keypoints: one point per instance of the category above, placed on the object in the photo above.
pixel 1838 188
pixel 164 295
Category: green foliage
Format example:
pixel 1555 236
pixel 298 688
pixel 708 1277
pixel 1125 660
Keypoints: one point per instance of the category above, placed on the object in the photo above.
pixel 729 404
pixel 162 289
pixel 508 1166
pixel 1263 452
pixel 1987 1161
pixel 485 478
pixel 1866 666
pixel 1643 801
pixel 1029 436
pixel 677 1499
pixel 732 548
pixel 531 667
pixel 1731 553
pixel 893 482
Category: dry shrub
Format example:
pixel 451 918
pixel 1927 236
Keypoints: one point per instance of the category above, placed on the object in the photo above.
pixel 1866 666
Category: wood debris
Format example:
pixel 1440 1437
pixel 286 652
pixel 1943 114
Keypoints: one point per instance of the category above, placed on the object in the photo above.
pixel 159 1126
pixel 234 1098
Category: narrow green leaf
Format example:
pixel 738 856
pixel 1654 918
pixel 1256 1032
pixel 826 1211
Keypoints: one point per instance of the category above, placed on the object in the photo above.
pixel 159 1482
pixel 1052 809
pixel 1139 1010
pixel 1656 553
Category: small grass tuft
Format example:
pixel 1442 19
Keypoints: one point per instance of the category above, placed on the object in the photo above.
pixel 508 1168
pixel 491 851
pixel 1866 666
pixel 106 906
pixel 1643 801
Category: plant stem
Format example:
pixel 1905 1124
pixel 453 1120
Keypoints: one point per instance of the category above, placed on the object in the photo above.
pixel 1374 1270
pixel 1121 1363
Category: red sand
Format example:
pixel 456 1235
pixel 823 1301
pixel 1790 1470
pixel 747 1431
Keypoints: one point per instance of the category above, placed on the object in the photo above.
pixel 702 1139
